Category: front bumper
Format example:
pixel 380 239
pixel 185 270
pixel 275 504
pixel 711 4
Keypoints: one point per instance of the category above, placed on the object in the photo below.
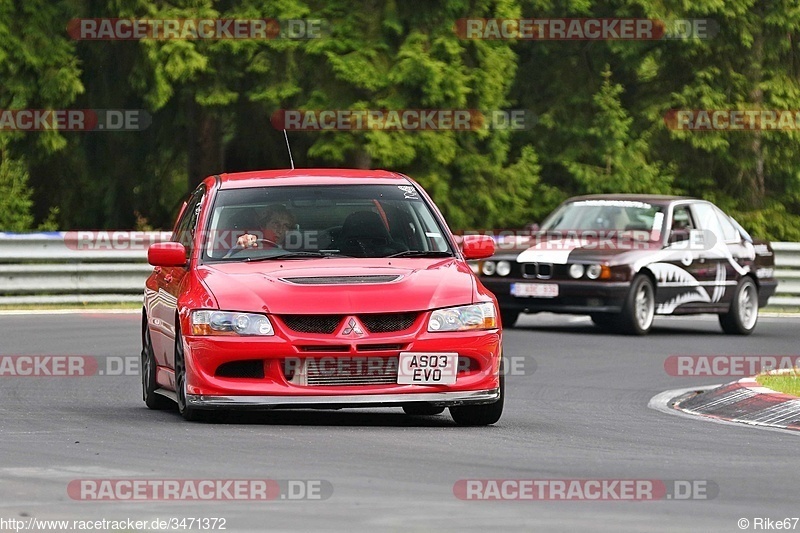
pixel 579 297
pixel 442 399
pixel 207 388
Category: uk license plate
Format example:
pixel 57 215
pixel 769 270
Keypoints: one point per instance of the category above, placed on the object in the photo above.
pixel 534 290
pixel 427 368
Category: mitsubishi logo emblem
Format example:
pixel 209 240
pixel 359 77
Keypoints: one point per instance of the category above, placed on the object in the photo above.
pixel 353 328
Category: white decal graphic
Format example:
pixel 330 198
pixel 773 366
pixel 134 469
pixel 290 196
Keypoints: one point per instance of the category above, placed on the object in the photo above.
pixel 669 274
pixel 409 192
pixel 719 283
pixel 697 295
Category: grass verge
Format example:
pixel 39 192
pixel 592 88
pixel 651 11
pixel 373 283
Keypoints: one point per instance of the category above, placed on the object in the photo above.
pixel 786 383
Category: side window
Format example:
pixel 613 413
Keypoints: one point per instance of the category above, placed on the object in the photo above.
pixel 184 231
pixel 682 219
pixel 729 231
pixel 707 219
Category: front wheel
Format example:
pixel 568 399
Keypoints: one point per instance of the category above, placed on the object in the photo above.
pixel 188 413
pixel 482 414
pixel 742 317
pixel 152 399
pixel 639 308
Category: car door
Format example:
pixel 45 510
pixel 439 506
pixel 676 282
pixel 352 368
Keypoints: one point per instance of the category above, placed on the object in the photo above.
pixel 164 303
pixel 716 271
pixel 682 272
pixel 739 253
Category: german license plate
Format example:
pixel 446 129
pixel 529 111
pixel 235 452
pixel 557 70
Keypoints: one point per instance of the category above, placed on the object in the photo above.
pixel 427 368
pixel 534 290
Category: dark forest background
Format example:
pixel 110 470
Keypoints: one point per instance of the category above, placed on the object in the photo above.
pixel 600 107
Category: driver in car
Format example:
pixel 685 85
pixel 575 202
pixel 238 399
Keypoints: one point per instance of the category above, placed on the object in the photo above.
pixel 276 221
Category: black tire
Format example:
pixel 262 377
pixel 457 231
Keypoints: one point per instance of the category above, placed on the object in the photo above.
pixel 742 317
pixel 152 399
pixel 422 409
pixel 508 318
pixel 639 308
pixel 482 414
pixel 606 321
pixel 188 413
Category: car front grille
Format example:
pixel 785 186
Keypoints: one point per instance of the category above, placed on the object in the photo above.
pixel 347 371
pixel 312 323
pixel 327 324
pixel 384 323
pixel 538 270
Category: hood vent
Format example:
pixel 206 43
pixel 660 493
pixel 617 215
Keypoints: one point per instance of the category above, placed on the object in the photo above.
pixel 342 280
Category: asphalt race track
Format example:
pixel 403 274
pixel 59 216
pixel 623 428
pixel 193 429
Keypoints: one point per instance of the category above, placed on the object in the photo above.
pixel 576 408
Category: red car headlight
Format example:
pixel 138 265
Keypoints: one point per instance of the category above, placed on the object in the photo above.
pixel 206 322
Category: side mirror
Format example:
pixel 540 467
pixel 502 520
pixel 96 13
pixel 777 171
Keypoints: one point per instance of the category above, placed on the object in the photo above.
pixel 167 254
pixel 477 246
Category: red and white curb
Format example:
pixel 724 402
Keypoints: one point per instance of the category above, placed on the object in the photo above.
pixel 742 402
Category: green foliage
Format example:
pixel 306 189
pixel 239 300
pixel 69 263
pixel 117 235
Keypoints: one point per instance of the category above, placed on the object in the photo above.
pixel 600 107
pixel 15 195
pixel 611 158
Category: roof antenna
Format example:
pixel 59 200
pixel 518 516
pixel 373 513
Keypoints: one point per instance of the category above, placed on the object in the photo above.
pixel 285 136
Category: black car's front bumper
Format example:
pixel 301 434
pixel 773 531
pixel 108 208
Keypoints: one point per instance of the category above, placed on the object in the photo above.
pixel 578 297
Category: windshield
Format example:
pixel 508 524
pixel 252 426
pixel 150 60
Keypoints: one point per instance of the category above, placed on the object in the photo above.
pixel 298 222
pixel 602 217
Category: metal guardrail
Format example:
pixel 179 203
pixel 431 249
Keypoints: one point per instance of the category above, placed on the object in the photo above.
pixel 74 268
pixel 787 270
pixel 110 267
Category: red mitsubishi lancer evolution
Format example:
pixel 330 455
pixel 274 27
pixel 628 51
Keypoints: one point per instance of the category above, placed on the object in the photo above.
pixel 319 288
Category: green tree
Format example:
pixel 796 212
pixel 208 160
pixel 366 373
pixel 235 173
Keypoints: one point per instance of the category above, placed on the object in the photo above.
pixel 15 195
pixel 612 158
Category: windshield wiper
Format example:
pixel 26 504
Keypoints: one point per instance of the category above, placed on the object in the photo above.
pixel 421 253
pixel 289 255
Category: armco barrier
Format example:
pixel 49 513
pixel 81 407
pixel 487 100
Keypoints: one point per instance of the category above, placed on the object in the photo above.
pixel 54 268
pixel 62 268
pixel 787 265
